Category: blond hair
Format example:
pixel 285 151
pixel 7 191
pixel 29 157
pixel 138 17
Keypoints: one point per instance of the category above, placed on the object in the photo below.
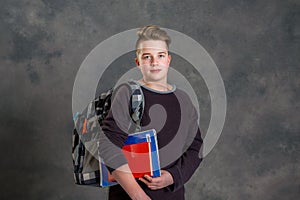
pixel 152 32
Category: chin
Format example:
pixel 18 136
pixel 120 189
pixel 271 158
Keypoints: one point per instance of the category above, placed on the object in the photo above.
pixel 155 80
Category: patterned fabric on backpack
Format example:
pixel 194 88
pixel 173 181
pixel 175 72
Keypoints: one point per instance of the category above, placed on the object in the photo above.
pixel 87 129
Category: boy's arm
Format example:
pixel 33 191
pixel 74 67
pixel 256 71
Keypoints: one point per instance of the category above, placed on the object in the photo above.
pixel 176 176
pixel 185 166
pixel 125 178
pixel 114 130
pixel 112 139
pixel 190 160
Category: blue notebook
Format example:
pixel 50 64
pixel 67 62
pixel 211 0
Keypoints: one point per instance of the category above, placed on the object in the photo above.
pixel 141 152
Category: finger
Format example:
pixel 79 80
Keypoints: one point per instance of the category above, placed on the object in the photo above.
pixel 147 177
pixel 152 187
pixel 145 181
pixel 156 180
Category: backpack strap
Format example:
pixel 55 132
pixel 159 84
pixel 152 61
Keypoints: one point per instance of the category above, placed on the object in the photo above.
pixel 137 106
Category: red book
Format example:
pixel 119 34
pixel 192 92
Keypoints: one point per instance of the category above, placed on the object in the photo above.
pixel 139 158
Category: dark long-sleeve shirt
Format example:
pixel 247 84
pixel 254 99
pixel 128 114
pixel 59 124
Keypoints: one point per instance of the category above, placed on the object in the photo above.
pixel 175 119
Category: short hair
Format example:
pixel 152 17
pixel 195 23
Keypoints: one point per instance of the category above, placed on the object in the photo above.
pixel 152 32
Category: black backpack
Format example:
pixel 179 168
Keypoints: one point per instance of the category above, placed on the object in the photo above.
pixel 87 130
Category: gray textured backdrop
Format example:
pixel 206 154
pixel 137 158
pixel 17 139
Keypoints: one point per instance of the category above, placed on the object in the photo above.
pixel 254 43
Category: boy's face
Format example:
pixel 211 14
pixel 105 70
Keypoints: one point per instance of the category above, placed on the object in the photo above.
pixel 153 60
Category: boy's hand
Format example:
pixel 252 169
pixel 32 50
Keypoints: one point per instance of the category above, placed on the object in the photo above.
pixel 159 182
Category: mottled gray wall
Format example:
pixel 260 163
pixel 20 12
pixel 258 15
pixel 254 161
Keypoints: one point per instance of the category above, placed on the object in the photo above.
pixel 254 43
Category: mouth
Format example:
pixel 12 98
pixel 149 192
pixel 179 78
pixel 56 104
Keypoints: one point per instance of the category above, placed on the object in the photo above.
pixel 155 70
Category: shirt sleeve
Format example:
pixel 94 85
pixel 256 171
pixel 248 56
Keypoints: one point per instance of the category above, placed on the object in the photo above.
pixel 186 165
pixel 115 130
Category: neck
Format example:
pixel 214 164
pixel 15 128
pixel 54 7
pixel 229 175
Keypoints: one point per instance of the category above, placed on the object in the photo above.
pixel 160 86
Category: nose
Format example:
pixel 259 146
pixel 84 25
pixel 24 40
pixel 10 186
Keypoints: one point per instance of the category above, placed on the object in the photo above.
pixel 154 61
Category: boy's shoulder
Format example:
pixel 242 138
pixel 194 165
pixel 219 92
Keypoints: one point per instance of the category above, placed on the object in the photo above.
pixel 184 99
pixel 182 94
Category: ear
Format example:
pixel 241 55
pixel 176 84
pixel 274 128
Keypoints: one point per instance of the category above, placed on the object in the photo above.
pixel 169 59
pixel 137 62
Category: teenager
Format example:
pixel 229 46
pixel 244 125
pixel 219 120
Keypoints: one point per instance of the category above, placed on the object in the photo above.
pixel 169 111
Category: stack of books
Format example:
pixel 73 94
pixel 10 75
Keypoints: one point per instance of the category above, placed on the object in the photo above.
pixel 141 152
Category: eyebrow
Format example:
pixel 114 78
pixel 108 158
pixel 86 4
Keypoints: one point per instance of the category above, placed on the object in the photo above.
pixel 163 52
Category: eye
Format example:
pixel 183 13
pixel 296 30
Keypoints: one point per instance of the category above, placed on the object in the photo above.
pixel 161 56
pixel 146 57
